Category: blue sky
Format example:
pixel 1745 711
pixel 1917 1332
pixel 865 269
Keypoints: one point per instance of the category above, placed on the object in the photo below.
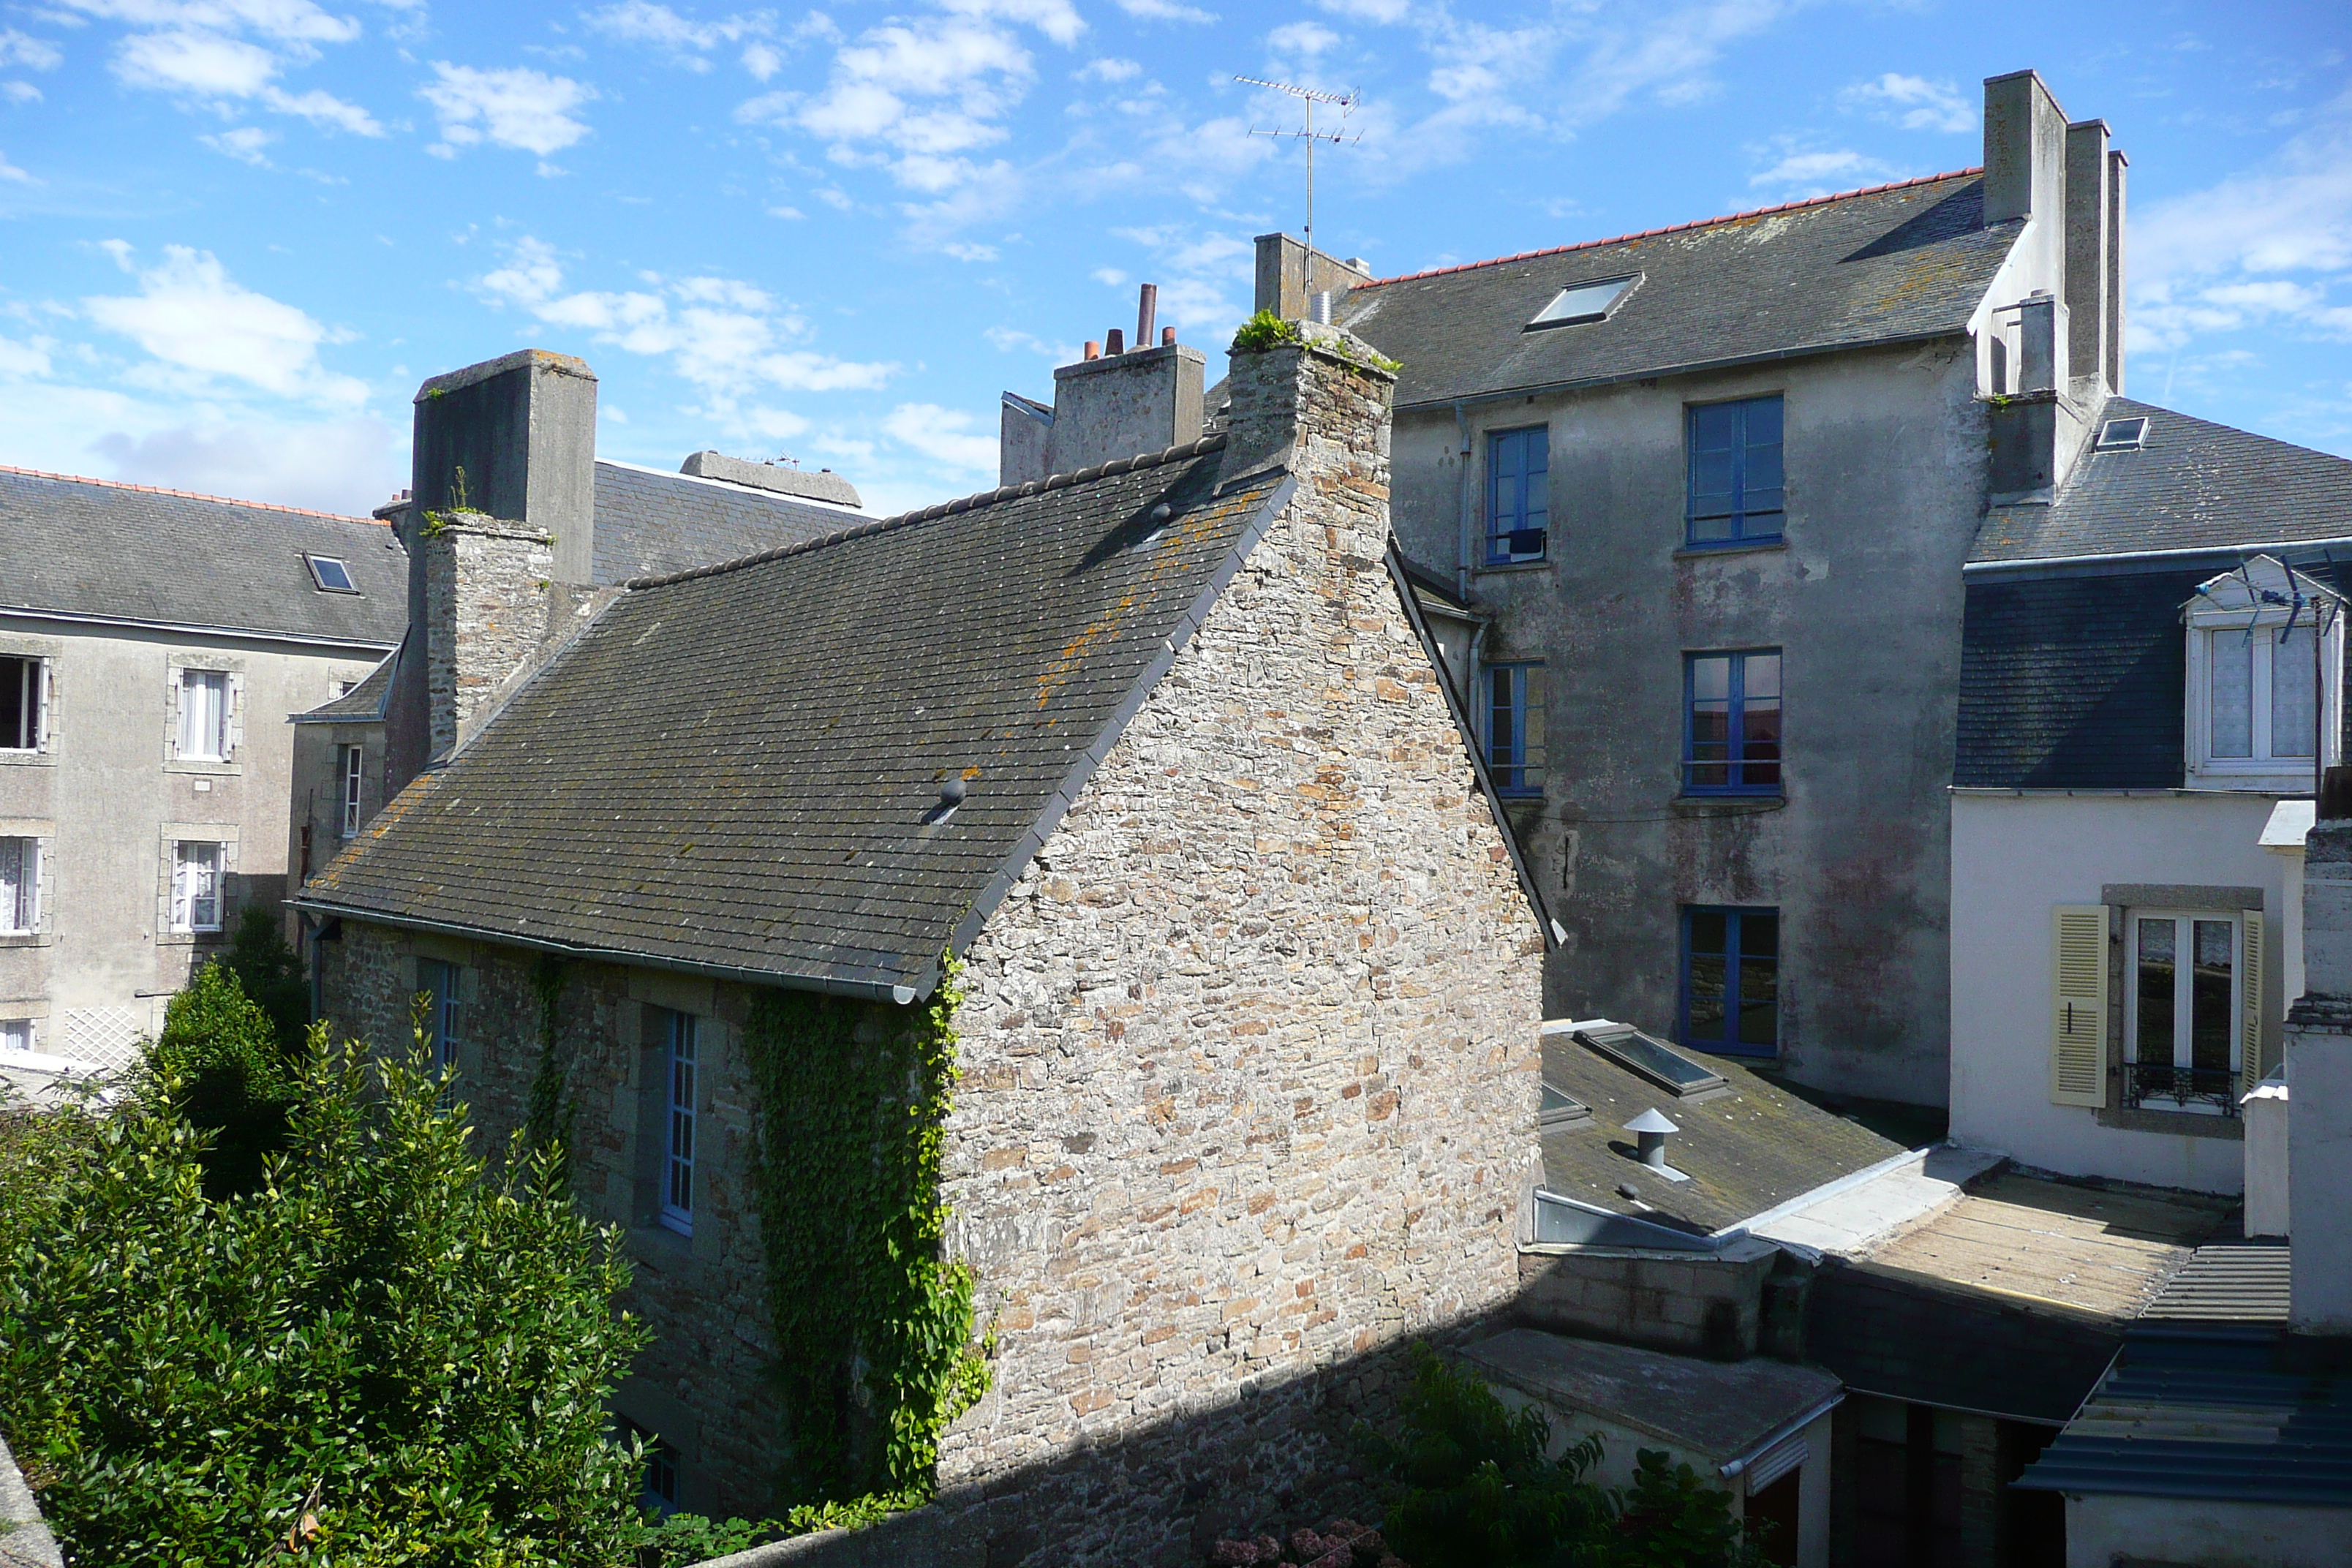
pixel 236 234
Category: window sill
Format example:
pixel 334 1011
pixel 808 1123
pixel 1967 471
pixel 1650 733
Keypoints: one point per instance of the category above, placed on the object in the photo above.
pixel 1731 547
pixel 1728 805
pixel 658 1248
pixel 27 938
pixel 14 759
pixel 1495 566
pixel 191 938
pixel 2178 1123
pixel 230 769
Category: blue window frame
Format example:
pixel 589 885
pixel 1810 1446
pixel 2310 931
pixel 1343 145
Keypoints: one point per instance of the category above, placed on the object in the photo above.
pixel 1731 727
pixel 1514 728
pixel 1517 494
pixel 1735 472
pixel 439 982
pixel 1731 980
pixel 677 1163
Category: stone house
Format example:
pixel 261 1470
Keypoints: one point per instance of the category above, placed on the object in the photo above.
pixel 2151 680
pixel 1708 490
pixel 1158 751
pixel 151 644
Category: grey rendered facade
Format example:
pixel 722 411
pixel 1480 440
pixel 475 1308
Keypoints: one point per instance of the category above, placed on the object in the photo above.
pixel 153 644
pixel 1917 382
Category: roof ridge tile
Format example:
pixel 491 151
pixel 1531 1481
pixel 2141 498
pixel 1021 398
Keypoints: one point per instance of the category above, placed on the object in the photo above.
pixel 1116 466
pixel 1670 228
pixel 189 495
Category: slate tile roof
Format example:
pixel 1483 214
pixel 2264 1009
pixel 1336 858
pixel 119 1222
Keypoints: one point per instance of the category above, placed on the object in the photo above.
pixel 1895 262
pixel 649 522
pixel 2192 485
pixel 129 552
pixel 731 769
pixel 2079 680
pixel 1745 1152
pixel 362 704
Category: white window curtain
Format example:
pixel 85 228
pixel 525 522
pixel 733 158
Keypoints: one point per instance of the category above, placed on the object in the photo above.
pixel 20 884
pixel 204 715
pixel 16 1035
pixel 195 887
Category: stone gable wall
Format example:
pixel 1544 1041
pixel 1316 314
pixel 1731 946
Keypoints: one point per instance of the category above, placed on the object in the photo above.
pixel 1250 1052
pixel 485 615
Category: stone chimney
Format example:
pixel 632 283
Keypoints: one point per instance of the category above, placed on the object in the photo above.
pixel 1112 405
pixel 1291 274
pixel 2051 352
pixel 1317 404
pixel 2319 1077
pixel 503 506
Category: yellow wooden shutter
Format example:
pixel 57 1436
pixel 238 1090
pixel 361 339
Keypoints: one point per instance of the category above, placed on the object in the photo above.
pixel 2250 988
pixel 2078 1021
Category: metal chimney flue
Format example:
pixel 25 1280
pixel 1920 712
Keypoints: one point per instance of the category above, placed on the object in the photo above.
pixel 1650 1130
pixel 1147 314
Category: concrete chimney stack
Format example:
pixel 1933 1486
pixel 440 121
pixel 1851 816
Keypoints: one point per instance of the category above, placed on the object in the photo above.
pixel 1127 402
pixel 2319 1077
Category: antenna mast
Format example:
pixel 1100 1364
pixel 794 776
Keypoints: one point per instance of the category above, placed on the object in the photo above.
pixel 1308 96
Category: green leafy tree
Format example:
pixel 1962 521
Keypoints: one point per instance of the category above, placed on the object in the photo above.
pixel 385 1352
pixel 220 1056
pixel 267 967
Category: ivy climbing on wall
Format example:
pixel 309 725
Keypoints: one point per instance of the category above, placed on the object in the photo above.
pixel 548 1115
pixel 873 1328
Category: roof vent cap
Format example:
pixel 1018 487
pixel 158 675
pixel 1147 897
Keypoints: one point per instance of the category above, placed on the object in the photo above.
pixel 1650 1129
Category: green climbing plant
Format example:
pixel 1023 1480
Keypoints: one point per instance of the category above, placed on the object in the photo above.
pixel 873 1328
pixel 548 1114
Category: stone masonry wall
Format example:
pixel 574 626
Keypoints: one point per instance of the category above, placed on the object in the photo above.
pixel 1250 1052
pixel 701 1384
pixel 485 614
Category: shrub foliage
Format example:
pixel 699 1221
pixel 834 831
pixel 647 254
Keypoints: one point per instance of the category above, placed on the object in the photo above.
pixel 382 1351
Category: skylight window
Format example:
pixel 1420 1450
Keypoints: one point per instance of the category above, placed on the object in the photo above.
pixel 1583 302
pixel 1654 1059
pixel 2123 434
pixel 331 575
pixel 1558 1108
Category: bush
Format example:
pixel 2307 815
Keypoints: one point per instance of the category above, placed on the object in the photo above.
pixel 384 1354
pixel 229 1077
pixel 271 971
pixel 1470 1487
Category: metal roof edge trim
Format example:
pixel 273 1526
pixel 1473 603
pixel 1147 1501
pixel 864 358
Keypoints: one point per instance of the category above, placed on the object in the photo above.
pixel 1831 1189
pixel 382 699
pixel 1913 1398
pixel 2118 792
pixel 1082 771
pixel 1684 227
pixel 841 509
pixel 1401 582
pixel 1693 367
pixel 80 618
pixel 871 990
pixel 1780 1434
pixel 2121 559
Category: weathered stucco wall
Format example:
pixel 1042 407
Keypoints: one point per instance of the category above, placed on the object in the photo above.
pixel 1250 1051
pixel 108 796
pixel 1885 457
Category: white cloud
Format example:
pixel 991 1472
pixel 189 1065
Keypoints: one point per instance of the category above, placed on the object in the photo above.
pixel 1110 276
pixel 1802 175
pixel 1382 11
pixel 20 93
pixel 517 107
pixel 26 359
pixel 190 316
pixel 1165 10
pixel 245 144
pixel 1913 102
pixel 1302 38
pixel 10 174
pixel 203 64
pixel 2270 242
pixel 727 337
pixel 284 21
pixel 34 54
pixel 942 435
pixel 346 464
pixel 962 251
pixel 1054 18
pixel 1109 68
pixel 687 41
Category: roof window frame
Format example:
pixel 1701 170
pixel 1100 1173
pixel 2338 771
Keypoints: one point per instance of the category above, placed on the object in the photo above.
pixel 1604 1037
pixel 1627 283
pixel 2109 441
pixel 318 578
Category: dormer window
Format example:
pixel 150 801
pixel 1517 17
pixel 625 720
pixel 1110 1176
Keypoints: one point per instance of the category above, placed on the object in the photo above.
pixel 2123 435
pixel 1583 302
pixel 2265 662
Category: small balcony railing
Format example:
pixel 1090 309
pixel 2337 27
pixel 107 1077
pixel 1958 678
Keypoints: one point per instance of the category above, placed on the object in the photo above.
pixel 2154 1086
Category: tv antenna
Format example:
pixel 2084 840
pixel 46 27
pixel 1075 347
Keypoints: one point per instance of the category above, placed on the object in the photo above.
pixel 1310 98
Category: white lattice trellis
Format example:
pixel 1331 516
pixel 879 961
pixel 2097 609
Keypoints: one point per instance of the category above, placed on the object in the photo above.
pixel 108 1037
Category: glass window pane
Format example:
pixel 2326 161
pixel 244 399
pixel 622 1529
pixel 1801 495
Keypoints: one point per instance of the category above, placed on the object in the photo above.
pixel 1762 671
pixel 2232 665
pixel 1708 930
pixel 2291 680
pixel 1711 678
pixel 1760 995
pixel 1759 935
pixel 1762 417
pixel 1706 1001
pixel 1531 725
pixel 2212 1020
pixel 2153 1039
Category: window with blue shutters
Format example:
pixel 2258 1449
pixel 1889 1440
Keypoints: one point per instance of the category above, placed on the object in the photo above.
pixel 1517 494
pixel 1735 472
pixel 1514 728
